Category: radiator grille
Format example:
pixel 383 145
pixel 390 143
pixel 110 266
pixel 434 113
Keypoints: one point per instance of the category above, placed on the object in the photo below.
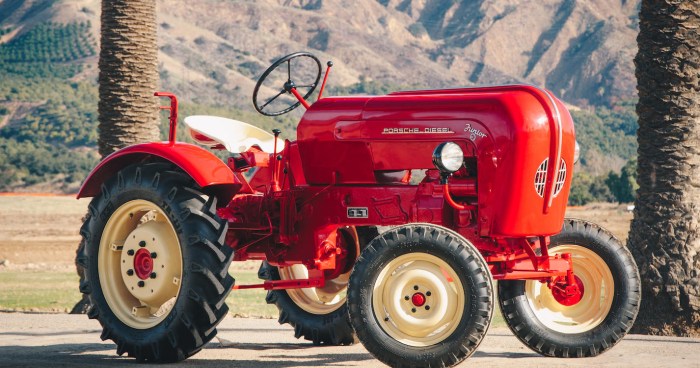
pixel 541 178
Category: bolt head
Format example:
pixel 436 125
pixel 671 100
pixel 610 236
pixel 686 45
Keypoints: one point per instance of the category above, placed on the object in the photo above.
pixel 413 310
pixel 142 243
pixel 141 283
pixel 154 254
pixel 130 272
pixel 427 307
pixel 427 293
pixel 415 287
pixel 130 252
pixel 153 275
pixel 406 297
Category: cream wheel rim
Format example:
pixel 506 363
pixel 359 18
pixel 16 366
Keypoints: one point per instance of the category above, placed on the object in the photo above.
pixel 316 300
pixel 595 304
pixel 140 264
pixel 418 299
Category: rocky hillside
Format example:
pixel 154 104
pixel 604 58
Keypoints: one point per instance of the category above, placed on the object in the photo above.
pixel 213 50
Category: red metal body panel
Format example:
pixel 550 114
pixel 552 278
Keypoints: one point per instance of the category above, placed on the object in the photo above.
pixel 205 168
pixel 509 130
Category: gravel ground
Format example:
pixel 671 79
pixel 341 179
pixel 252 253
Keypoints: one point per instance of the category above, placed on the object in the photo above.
pixel 60 340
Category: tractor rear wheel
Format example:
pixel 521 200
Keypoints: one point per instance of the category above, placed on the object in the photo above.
pixel 420 295
pixel 557 325
pixel 156 263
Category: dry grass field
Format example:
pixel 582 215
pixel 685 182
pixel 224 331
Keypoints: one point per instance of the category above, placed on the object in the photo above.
pixel 39 234
pixel 38 238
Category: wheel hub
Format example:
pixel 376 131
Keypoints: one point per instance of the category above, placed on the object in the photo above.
pixel 143 263
pixel 418 299
pixel 149 272
pixel 567 295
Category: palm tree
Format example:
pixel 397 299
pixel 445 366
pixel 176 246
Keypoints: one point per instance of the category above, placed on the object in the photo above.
pixel 665 232
pixel 128 77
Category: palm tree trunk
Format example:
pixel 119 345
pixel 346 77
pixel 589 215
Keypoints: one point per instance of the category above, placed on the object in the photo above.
pixel 128 77
pixel 665 232
pixel 128 74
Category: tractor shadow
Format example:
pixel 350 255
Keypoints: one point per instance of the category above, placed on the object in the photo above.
pixel 277 355
pixel 103 355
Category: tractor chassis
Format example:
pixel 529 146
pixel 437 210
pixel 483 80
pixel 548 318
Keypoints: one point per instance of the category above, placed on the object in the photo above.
pixel 525 258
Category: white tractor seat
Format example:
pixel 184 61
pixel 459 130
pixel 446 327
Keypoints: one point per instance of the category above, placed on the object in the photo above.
pixel 236 136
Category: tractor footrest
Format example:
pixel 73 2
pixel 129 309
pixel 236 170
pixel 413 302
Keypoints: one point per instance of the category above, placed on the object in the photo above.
pixel 284 284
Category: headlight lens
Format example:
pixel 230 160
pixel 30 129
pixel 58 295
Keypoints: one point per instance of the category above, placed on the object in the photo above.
pixel 448 157
pixel 577 152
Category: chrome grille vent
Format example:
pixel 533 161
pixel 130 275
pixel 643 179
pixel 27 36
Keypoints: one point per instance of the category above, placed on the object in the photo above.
pixel 541 178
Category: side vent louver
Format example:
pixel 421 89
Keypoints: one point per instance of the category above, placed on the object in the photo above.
pixel 541 177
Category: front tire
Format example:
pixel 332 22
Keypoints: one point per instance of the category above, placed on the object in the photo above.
pixel 156 263
pixel 421 296
pixel 602 316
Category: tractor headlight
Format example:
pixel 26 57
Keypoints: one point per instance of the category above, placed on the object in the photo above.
pixel 577 152
pixel 448 157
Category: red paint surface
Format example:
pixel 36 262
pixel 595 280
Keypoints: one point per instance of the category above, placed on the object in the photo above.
pixel 143 263
pixel 418 299
pixel 567 295
pixel 205 168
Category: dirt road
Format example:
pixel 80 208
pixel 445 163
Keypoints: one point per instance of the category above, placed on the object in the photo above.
pixel 59 340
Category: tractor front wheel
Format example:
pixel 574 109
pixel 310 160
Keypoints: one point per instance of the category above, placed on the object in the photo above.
pixel 156 263
pixel 553 325
pixel 420 296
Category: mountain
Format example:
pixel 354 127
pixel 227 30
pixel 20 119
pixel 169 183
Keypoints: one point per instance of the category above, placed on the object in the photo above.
pixel 581 50
pixel 212 52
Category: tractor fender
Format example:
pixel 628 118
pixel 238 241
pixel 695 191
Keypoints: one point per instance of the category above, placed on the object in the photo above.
pixel 207 170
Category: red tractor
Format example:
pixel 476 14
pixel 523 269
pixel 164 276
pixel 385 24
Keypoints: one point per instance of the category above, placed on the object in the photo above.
pixel 387 220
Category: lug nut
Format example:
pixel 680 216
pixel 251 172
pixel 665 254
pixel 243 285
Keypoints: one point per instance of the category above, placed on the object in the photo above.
pixel 130 272
pixel 427 293
pixel 415 287
pixel 130 252
pixel 427 307
pixel 413 310
pixel 141 283
pixel 153 275
pixel 142 243
pixel 154 254
pixel 406 297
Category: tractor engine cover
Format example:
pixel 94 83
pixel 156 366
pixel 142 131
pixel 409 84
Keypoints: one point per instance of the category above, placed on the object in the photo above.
pixel 514 133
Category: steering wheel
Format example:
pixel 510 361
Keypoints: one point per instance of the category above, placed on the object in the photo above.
pixel 288 85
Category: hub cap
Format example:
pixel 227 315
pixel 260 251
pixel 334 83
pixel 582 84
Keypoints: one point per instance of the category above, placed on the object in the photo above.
pixel 143 263
pixel 574 311
pixel 418 299
pixel 567 295
pixel 140 264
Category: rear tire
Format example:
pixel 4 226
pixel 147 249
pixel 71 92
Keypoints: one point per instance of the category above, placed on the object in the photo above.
pixel 156 266
pixel 599 320
pixel 420 295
